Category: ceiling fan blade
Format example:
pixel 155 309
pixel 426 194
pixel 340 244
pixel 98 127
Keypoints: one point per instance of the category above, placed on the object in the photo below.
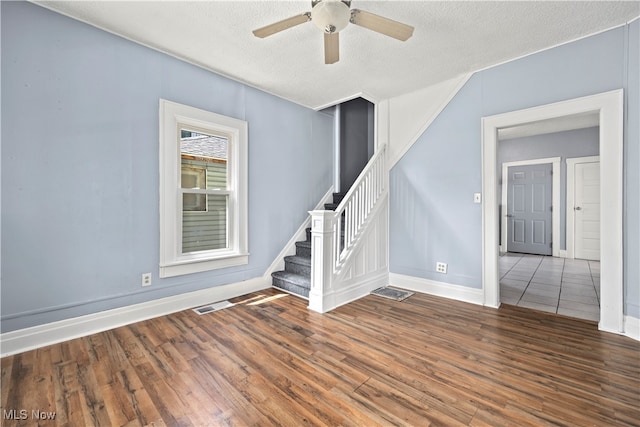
pixel 331 48
pixel 382 25
pixel 282 25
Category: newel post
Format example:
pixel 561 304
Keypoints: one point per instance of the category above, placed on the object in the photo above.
pixel 321 298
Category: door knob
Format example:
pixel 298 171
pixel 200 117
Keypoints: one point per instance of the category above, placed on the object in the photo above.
pixel 578 208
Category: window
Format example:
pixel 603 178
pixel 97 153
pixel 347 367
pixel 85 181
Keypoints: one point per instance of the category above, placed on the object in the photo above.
pixel 196 178
pixel 203 190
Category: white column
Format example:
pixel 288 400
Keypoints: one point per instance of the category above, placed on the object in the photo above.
pixel 321 295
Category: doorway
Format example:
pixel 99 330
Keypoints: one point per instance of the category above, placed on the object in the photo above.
pixel 356 140
pixel 529 276
pixel 608 107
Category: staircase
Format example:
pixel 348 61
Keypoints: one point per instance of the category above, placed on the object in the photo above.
pixel 296 277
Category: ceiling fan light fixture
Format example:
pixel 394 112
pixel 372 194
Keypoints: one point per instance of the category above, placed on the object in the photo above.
pixel 331 16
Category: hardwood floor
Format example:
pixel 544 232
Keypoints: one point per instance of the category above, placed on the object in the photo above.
pixel 270 361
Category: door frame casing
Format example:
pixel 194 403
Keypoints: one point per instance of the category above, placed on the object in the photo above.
pixel 609 107
pixel 555 200
pixel 571 165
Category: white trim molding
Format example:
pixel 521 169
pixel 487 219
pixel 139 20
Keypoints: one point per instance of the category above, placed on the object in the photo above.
pixel 632 327
pixel 439 289
pixel 571 168
pixel 555 200
pixel 357 289
pixel 609 107
pixel 55 332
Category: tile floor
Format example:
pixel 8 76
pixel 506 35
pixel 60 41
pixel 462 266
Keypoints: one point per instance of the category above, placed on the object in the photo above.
pixel 558 285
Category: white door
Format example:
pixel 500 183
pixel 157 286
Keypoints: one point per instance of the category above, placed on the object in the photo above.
pixel 587 211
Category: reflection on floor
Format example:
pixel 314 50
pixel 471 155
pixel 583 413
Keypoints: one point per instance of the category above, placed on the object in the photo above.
pixel 558 285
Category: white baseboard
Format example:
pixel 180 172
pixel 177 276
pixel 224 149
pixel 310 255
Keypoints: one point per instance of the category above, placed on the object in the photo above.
pixel 563 253
pixel 356 290
pixel 440 289
pixel 632 327
pixel 361 288
pixel 52 333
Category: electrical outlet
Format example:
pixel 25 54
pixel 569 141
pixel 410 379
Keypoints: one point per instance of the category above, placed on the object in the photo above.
pixel 146 279
pixel 441 267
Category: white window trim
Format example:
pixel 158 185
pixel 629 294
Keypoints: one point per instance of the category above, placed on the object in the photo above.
pixel 173 116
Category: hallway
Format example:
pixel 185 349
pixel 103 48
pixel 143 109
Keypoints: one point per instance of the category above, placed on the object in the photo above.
pixel 570 287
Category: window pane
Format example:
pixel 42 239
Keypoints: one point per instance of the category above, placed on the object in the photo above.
pixel 203 160
pixel 205 230
pixel 194 202
pixel 193 175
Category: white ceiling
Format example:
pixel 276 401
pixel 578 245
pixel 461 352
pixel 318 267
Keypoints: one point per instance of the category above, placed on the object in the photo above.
pixel 450 39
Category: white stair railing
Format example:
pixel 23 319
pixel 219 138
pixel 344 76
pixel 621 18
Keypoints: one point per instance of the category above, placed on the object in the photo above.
pixel 330 251
pixel 357 204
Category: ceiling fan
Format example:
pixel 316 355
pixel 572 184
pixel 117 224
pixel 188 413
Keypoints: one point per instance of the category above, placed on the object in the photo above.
pixel 332 16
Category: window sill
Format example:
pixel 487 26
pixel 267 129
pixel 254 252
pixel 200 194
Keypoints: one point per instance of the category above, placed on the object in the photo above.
pixel 198 266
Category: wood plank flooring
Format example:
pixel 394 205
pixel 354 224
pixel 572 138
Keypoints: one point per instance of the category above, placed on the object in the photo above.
pixel 270 361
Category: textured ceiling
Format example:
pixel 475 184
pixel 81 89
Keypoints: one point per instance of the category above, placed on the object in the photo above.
pixel 450 38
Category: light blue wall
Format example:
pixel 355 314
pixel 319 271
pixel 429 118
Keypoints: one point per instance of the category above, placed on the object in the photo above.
pixel 566 145
pixel 80 167
pixel 432 215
